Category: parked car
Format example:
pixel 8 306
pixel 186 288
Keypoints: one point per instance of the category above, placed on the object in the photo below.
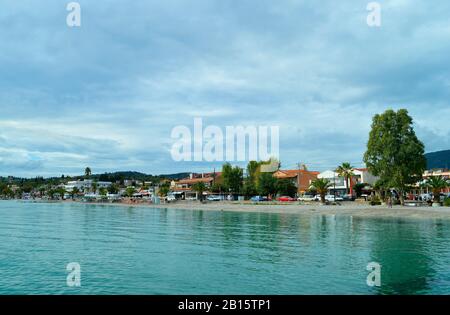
pixel 348 197
pixel 259 198
pixel 425 197
pixel 332 198
pixel 213 198
pixel 171 198
pixel 286 199
pixel 308 198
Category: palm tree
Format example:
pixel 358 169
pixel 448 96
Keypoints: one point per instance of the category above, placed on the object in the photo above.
pixel 87 172
pixel 75 192
pixel 199 187
pixel 94 187
pixel 346 170
pixel 436 183
pixel 321 185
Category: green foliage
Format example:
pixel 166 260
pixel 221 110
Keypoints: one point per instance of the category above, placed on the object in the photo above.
pixel 87 172
pixel 200 188
pixel 358 188
pixel 267 184
pixel 375 201
pixel 164 189
pixel 437 183
pixel 113 189
pixel 286 187
pixel 394 153
pixel 232 178
pixel 447 202
pixel 130 191
pixel 345 170
pixel 249 188
pixel 321 185
pixel 217 188
pixel 103 191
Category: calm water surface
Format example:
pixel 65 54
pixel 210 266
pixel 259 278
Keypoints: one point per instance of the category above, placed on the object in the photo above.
pixel 125 250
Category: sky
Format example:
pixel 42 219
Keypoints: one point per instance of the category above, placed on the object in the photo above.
pixel 108 94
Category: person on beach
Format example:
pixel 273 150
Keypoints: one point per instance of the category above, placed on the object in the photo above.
pixel 390 202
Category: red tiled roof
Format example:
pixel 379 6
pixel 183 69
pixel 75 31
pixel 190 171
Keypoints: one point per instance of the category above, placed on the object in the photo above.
pixel 294 173
pixel 195 180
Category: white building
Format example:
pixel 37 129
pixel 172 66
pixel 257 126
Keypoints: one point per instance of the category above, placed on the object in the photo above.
pixel 85 185
pixel 338 183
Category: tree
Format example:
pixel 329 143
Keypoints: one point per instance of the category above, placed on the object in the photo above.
pixel 75 192
pixel 267 184
pixel 436 184
pixel 346 170
pixel 199 187
pixel 164 189
pixel 285 187
pixel 129 192
pixel 113 189
pixel 216 188
pixel 103 191
pixel 94 187
pixel 232 178
pixel 359 188
pixel 249 188
pixel 321 185
pixel 87 172
pixel 252 171
pixel 394 153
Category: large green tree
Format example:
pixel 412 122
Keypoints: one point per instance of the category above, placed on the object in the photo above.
pixel 394 153
pixel 232 178
pixel 267 184
pixel 285 187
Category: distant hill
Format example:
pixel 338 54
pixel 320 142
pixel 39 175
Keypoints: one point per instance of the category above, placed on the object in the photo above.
pixel 175 176
pixel 440 159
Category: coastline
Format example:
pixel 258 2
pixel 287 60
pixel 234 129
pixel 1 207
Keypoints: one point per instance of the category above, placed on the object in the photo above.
pixel 345 209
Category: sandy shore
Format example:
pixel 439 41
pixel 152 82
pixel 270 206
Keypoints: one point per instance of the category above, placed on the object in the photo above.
pixel 346 208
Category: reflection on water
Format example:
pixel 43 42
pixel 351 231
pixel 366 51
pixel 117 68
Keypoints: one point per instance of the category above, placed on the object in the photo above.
pixel 125 250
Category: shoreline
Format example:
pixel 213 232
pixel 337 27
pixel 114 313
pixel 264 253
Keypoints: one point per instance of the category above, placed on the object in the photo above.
pixel 345 209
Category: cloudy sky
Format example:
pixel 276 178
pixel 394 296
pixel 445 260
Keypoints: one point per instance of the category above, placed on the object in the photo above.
pixel 107 94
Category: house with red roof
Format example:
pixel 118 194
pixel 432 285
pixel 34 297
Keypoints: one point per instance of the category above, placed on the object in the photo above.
pixel 302 179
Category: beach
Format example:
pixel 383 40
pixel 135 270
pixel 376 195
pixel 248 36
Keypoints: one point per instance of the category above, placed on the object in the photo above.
pixel 349 209
pixel 344 209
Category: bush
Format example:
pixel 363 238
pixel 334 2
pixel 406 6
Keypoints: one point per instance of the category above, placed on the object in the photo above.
pixel 375 201
pixel 447 202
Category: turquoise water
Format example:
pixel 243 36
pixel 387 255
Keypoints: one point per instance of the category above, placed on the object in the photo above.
pixel 125 250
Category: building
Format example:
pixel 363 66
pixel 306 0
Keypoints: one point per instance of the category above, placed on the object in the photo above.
pixel 362 175
pixel 445 173
pixel 183 189
pixel 302 179
pixel 339 184
pixel 85 185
